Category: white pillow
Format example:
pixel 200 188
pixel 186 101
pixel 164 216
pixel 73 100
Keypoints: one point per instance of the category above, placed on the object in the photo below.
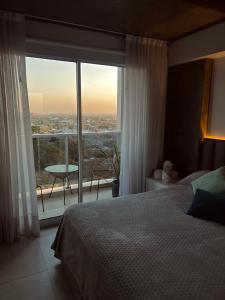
pixel 188 179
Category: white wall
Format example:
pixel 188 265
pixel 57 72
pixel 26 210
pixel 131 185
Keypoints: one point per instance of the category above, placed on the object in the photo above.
pixel 216 124
pixel 203 43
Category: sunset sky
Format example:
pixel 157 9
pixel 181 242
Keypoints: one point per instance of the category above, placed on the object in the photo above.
pixel 52 87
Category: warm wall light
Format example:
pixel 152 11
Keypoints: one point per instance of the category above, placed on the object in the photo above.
pixel 215 137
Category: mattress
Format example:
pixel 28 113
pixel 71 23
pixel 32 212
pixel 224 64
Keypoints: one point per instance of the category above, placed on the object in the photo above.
pixel 142 246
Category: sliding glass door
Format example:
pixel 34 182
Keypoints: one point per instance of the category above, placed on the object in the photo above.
pixel 73 137
pixel 100 129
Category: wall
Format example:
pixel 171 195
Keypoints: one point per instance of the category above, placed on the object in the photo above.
pixel 216 124
pixel 188 94
pixel 207 43
pixel 201 44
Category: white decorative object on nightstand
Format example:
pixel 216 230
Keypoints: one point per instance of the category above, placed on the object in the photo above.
pixel 154 184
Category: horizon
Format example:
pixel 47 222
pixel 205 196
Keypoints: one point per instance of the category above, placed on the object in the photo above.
pixel 73 114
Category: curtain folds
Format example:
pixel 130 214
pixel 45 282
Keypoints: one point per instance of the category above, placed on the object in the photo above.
pixel 143 111
pixel 18 203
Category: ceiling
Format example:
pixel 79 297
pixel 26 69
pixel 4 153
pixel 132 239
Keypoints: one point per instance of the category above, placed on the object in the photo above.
pixel 162 19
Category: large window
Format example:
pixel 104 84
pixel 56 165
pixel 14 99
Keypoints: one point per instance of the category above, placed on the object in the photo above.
pixel 53 108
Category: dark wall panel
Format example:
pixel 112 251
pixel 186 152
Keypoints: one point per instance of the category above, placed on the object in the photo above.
pixel 213 154
pixel 187 113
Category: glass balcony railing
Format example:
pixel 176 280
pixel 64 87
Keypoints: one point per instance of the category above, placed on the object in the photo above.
pixel 62 149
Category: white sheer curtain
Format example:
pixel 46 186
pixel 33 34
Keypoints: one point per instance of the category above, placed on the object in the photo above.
pixel 143 111
pixel 18 203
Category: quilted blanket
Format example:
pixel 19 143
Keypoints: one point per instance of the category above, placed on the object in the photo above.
pixel 143 246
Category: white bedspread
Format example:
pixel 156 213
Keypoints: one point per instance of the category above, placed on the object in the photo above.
pixel 143 246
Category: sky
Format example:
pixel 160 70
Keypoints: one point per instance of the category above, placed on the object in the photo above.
pixel 52 87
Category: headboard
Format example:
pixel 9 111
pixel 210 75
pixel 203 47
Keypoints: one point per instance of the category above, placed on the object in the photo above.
pixel 213 154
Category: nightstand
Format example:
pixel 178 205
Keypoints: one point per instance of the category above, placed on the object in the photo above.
pixel 154 184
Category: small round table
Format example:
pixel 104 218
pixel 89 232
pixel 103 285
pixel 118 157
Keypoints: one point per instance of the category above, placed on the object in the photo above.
pixel 61 172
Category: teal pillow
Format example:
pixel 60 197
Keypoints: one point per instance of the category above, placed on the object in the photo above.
pixel 208 206
pixel 213 182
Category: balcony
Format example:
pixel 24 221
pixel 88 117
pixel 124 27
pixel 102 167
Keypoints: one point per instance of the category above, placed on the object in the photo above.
pixel 62 149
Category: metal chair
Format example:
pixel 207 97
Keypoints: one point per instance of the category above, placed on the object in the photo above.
pixel 102 170
pixel 96 165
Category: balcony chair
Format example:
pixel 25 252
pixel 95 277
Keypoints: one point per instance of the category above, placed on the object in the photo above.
pixel 96 165
pixel 101 170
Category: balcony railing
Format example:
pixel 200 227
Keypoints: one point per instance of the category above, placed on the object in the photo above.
pixel 62 148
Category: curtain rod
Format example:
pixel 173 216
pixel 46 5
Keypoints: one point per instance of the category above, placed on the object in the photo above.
pixel 46 20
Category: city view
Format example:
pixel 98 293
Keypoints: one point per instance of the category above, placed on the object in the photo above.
pixel 56 134
pixel 67 123
pixel 53 115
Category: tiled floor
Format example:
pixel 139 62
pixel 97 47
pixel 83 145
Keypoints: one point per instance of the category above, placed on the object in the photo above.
pixel 54 206
pixel 29 271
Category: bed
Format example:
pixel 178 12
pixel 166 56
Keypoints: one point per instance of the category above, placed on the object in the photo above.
pixel 142 246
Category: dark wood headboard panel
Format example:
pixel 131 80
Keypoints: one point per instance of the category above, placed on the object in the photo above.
pixel 213 154
pixel 187 114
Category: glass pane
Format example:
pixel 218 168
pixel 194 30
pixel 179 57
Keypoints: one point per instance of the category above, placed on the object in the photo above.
pixel 53 109
pixel 101 128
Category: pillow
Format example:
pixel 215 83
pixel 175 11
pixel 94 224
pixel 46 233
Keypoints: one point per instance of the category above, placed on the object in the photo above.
pixel 188 179
pixel 208 206
pixel 213 182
